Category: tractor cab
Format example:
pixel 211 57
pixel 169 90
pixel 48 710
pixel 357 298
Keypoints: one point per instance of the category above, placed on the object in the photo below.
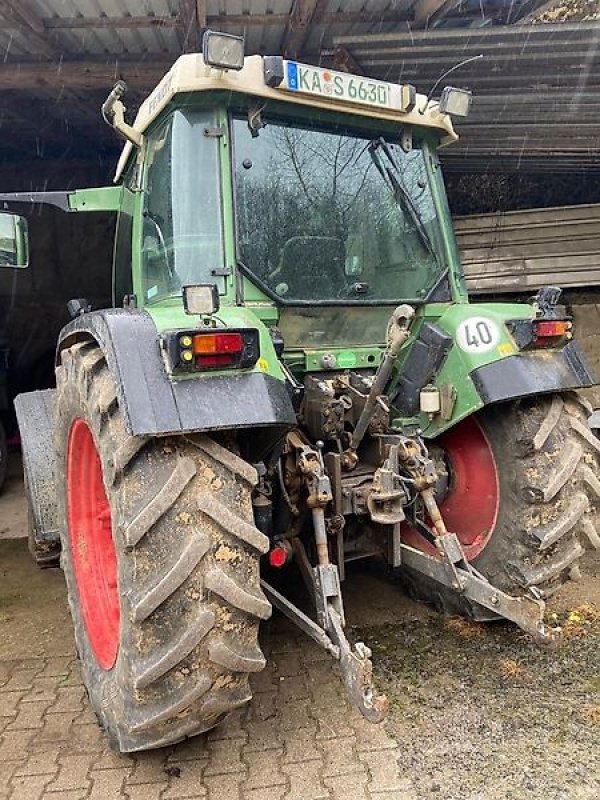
pixel 287 184
pixel 325 211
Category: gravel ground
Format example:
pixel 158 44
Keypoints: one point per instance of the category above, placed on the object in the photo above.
pixel 480 712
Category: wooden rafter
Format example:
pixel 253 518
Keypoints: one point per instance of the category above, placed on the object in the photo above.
pixel 345 61
pixel 188 25
pixel 191 22
pixel 304 14
pixel 83 74
pixel 426 10
pixel 27 20
pixel 219 20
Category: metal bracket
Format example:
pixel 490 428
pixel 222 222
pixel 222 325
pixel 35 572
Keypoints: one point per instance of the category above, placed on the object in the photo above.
pixel 355 662
pixel 300 619
pixel 328 593
pixel 387 498
pixel 454 558
pixel 215 133
pixel 527 612
pixel 357 673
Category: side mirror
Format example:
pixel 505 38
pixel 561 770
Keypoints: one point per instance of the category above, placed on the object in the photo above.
pixel 14 241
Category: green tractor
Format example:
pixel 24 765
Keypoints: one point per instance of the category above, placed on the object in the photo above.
pixel 292 377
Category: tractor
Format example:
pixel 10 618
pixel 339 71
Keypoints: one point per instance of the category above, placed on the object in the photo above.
pixel 291 378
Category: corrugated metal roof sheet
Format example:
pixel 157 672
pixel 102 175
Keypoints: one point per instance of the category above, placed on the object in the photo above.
pixel 92 27
pixel 536 89
pixel 509 120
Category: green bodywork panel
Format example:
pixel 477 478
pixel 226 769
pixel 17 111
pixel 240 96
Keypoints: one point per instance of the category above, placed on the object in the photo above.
pixel 104 198
pixel 458 364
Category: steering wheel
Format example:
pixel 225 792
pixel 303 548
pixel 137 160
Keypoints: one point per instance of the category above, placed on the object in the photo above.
pixel 164 253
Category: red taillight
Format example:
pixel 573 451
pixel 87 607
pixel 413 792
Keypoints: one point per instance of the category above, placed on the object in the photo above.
pixel 217 343
pixel 546 329
pixel 213 350
pixel 538 333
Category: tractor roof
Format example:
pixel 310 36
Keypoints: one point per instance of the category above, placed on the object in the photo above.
pixel 190 74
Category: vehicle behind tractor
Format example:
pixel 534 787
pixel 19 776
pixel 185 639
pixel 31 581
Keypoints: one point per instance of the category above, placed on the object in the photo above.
pixel 291 378
pixel 13 255
pixel 4 405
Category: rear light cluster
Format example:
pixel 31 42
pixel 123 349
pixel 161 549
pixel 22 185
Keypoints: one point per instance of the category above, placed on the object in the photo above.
pixel 551 329
pixel 223 349
pixel 532 333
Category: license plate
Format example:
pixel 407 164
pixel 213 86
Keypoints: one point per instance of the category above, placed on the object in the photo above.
pixel 341 86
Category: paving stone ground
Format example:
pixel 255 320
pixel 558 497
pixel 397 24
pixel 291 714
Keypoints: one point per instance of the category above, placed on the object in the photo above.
pixel 298 739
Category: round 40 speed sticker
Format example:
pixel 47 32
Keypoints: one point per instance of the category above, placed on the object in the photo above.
pixel 477 335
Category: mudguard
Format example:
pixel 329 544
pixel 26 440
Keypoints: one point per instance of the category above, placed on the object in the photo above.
pixel 155 405
pixel 35 415
pixel 533 373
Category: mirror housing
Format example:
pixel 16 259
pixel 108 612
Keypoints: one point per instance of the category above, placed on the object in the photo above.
pixel 14 241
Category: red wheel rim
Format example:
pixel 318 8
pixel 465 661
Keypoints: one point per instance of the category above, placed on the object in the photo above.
pixel 470 509
pixel 92 547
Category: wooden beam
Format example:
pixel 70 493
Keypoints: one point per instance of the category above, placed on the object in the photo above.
pixel 26 19
pixel 424 10
pixel 84 23
pixel 202 14
pixel 219 20
pixel 304 14
pixel 188 25
pixel 345 61
pixel 83 74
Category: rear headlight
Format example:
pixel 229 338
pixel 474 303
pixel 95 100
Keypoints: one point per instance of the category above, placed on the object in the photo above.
pixel 224 349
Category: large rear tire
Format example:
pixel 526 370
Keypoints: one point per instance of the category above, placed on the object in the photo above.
pixel 530 531
pixel 160 555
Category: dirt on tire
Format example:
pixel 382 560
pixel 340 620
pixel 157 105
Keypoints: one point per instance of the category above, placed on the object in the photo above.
pixel 187 554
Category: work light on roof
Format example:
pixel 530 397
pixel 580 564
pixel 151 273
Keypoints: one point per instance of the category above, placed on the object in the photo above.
pixel 222 50
pixel 456 102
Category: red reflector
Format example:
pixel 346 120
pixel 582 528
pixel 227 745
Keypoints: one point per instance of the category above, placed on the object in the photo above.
pixel 217 360
pixel 278 556
pixel 552 328
pixel 219 343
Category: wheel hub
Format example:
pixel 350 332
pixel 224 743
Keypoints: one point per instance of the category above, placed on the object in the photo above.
pixel 470 496
pixel 92 547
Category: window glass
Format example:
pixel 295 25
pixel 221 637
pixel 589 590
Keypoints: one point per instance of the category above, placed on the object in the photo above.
pixel 331 216
pixel 122 274
pixel 182 235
